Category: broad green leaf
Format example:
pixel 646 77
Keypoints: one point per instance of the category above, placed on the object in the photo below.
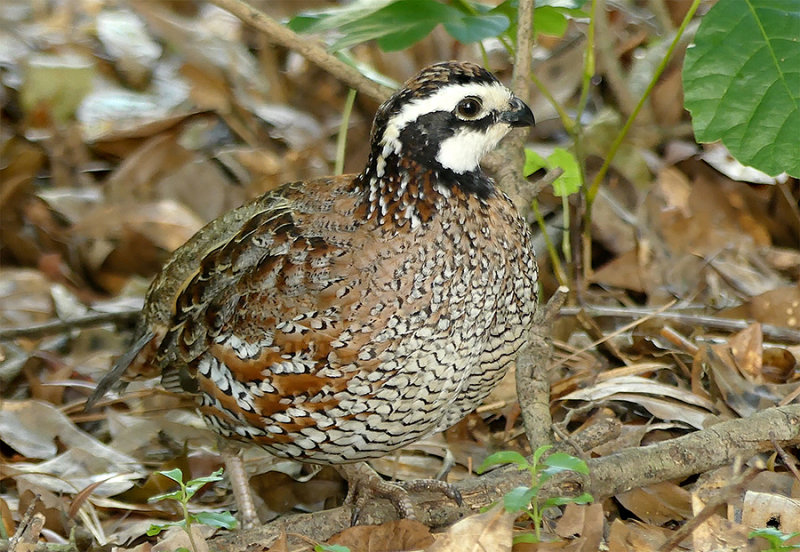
pixel 741 81
pixel 174 474
pixel 518 499
pixel 474 28
pixel 550 16
pixel 570 182
pixel 403 16
pixel 224 520
pixel 564 461
pixel 533 162
pixel 407 37
pixel 550 21
pixel 565 185
pixel 504 457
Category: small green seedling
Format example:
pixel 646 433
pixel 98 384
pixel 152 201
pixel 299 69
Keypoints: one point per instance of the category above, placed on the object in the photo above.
pixel 776 539
pixel 183 495
pixel 525 499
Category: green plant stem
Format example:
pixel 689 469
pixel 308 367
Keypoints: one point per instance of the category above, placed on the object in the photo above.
pixel 576 130
pixel 593 189
pixel 484 54
pixel 562 113
pixel 341 140
pixel 566 247
pixel 588 65
pixel 188 527
pixel 551 250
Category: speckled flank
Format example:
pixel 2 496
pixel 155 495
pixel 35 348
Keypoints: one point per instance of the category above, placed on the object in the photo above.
pixel 346 317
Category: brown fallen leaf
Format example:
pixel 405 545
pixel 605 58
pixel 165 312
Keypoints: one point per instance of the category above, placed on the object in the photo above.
pixel 771 510
pixel 491 530
pixel 635 536
pixel 404 534
pixel 658 504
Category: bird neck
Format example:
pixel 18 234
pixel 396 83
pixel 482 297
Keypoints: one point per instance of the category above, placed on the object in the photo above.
pixel 401 191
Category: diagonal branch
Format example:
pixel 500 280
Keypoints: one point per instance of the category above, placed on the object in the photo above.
pixel 310 49
pixel 675 459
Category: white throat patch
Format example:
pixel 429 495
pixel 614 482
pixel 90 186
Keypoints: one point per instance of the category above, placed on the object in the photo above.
pixel 463 151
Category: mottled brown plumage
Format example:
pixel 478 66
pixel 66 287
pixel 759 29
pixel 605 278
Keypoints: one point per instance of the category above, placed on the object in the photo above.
pixel 338 319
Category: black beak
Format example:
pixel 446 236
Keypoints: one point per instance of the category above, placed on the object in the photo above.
pixel 518 115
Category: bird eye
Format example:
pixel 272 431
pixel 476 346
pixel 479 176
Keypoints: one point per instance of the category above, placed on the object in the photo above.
pixel 469 107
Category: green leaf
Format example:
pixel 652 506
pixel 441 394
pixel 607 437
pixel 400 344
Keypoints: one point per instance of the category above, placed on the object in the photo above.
pixel 413 18
pixel 564 461
pixel 741 81
pixel 176 475
pixel 550 21
pixel 550 16
pixel 518 499
pixel 474 28
pixel 775 537
pixel 331 548
pixel 537 454
pixel 320 21
pixel 225 520
pixel 533 162
pixel 525 538
pixel 585 498
pixel 570 182
pixel 216 476
pixel 194 485
pixel 504 457
pixel 407 37
pixel 178 495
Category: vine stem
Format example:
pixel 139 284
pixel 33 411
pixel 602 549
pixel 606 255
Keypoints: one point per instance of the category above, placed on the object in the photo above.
pixel 595 186
pixel 341 140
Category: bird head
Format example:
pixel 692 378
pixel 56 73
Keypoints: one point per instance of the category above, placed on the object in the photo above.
pixel 446 118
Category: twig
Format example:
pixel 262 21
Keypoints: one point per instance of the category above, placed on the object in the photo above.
pixel 710 509
pixel 630 468
pixel 533 377
pixel 788 460
pixel 777 333
pixel 310 49
pixel 61 326
pixel 507 160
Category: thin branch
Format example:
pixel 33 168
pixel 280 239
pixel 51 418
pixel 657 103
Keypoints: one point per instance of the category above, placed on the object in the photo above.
pixel 777 333
pixel 635 467
pixel 307 47
pixel 533 376
pixel 61 326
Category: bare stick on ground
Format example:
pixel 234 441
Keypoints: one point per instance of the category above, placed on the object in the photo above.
pixel 674 459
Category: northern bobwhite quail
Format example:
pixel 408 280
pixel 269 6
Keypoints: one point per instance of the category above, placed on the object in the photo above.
pixel 338 319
